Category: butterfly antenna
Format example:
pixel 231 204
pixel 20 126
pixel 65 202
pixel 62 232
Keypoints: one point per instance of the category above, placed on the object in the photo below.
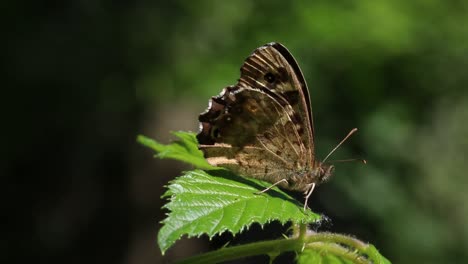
pixel 339 144
pixel 348 160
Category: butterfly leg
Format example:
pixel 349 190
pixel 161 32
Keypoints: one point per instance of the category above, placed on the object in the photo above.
pixel 276 183
pixel 308 193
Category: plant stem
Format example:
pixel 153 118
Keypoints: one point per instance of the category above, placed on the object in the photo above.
pixel 242 251
pixel 322 242
pixel 337 238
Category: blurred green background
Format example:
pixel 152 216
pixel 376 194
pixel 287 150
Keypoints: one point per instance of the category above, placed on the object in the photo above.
pixel 83 78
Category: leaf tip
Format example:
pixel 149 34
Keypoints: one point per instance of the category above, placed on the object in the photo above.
pixel 141 138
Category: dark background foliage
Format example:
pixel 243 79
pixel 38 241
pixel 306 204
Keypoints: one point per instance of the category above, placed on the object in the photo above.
pixel 83 78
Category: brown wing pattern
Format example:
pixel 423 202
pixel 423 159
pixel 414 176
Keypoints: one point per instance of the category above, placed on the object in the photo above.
pixel 273 70
pixel 261 126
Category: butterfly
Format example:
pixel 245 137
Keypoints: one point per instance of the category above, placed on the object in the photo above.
pixel 262 127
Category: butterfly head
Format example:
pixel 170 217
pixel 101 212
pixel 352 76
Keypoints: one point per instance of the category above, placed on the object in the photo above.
pixel 325 171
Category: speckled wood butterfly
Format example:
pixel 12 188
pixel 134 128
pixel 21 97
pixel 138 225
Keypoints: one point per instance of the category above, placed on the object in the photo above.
pixel 262 127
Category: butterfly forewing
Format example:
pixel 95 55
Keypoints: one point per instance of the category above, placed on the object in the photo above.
pixel 262 126
pixel 272 69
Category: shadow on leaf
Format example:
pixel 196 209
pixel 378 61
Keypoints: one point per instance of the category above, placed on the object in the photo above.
pixel 274 192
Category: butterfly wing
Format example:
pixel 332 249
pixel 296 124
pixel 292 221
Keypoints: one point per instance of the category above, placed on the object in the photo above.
pixel 261 127
pixel 288 83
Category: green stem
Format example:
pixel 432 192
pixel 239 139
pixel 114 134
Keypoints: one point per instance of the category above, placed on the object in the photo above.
pixel 337 238
pixel 242 251
pixel 302 231
pixel 326 242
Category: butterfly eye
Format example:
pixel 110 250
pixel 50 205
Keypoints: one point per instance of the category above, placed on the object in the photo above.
pixel 269 77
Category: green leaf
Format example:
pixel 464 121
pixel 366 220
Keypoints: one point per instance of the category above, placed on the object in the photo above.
pixel 185 149
pixel 336 248
pixel 375 256
pixel 216 201
pixel 202 203
pixel 313 256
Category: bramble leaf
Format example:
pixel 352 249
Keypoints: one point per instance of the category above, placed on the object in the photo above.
pixel 185 149
pixel 215 201
pixel 313 256
pixel 327 252
pixel 336 248
pixel 202 203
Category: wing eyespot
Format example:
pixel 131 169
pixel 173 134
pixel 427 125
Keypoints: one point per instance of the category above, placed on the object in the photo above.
pixel 270 77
